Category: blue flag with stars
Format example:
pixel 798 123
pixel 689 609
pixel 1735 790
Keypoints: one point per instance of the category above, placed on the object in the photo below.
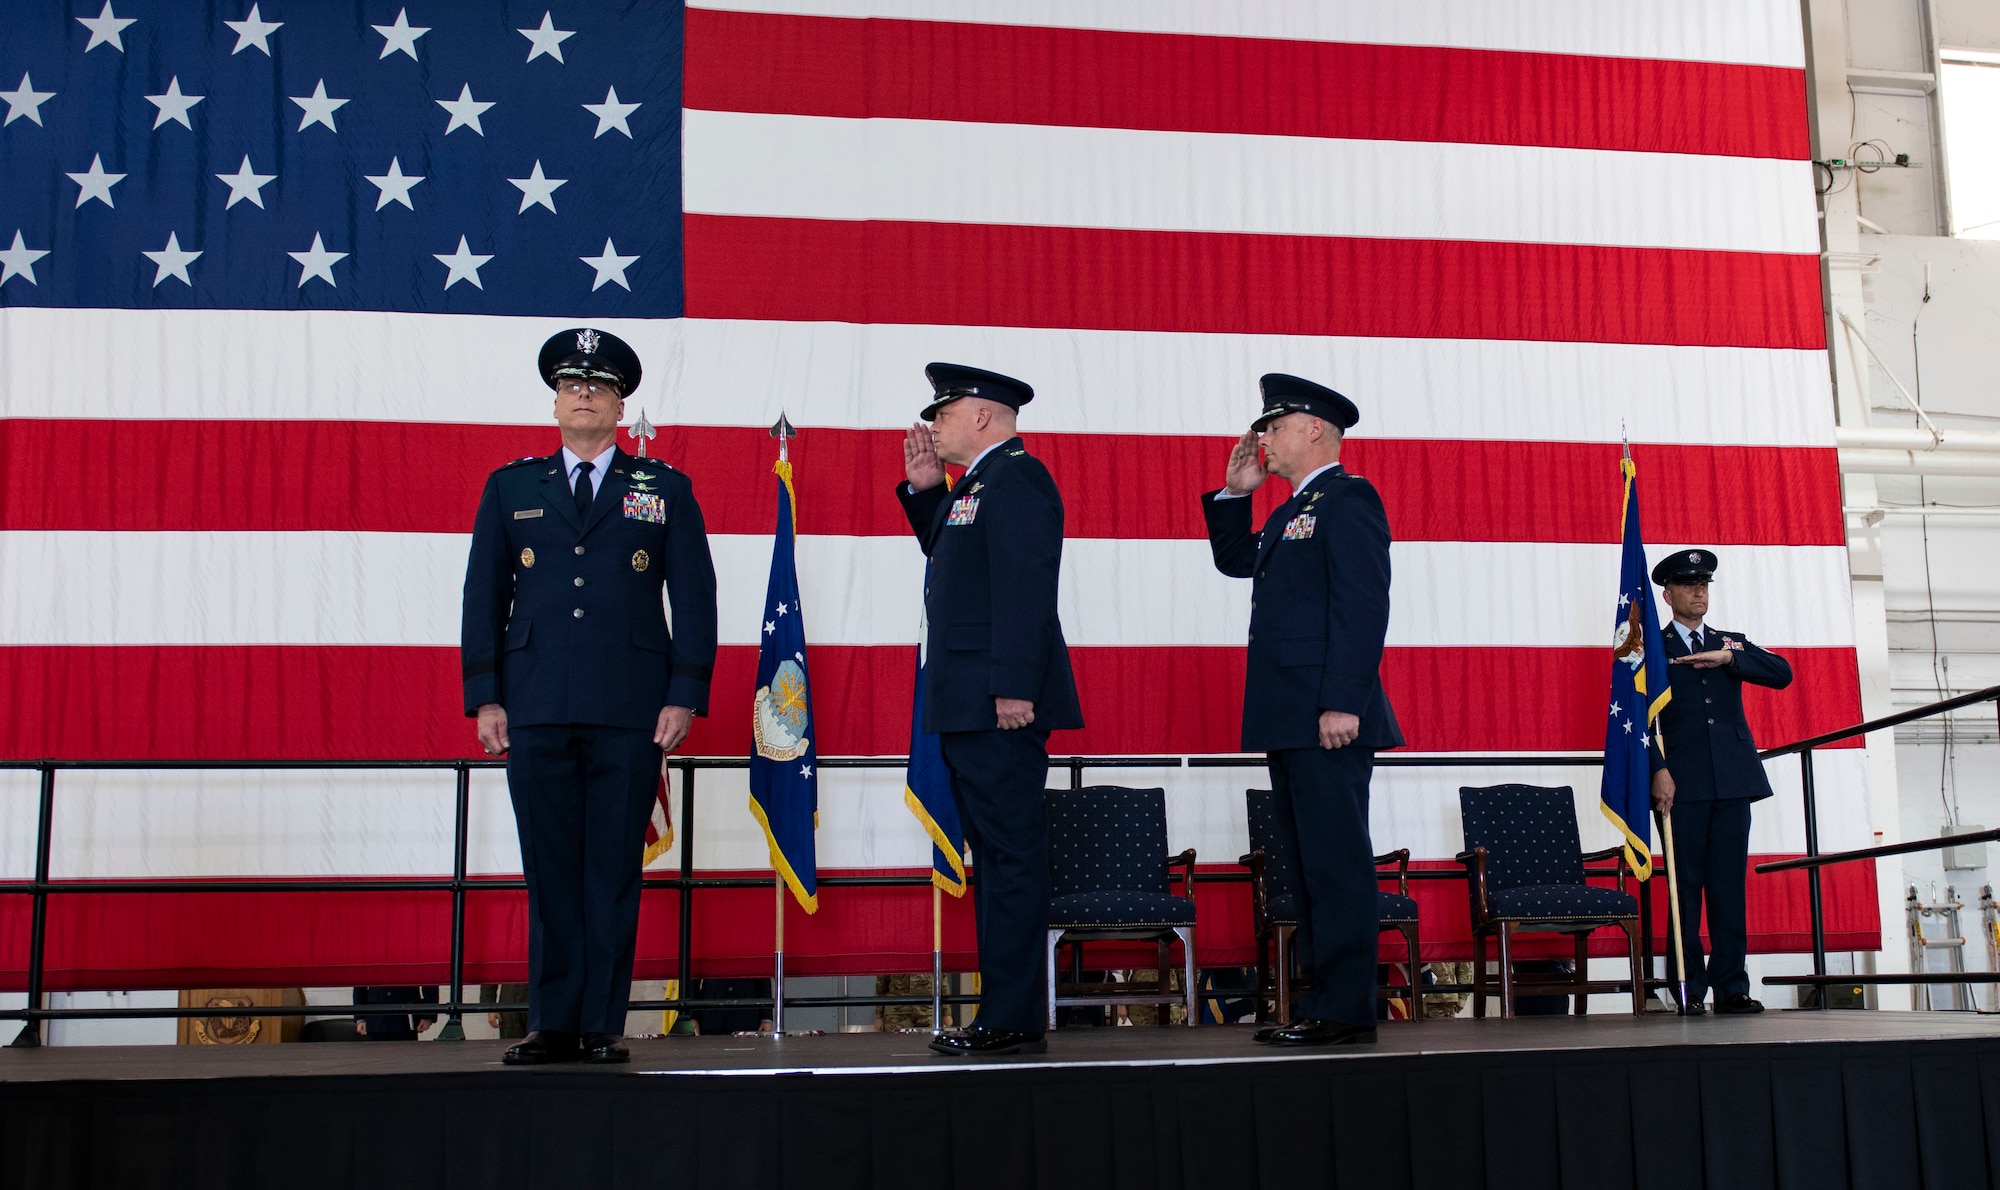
pixel 481 157
pixel 1639 692
pixel 784 765
pixel 927 787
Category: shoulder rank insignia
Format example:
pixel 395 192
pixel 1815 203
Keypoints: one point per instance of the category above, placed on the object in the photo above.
pixel 521 462
pixel 1016 453
pixel 1300 527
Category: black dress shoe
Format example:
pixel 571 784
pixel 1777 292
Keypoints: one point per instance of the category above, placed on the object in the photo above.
pixel 605 1049
pixel 1264 1035
pixel 1311 1032
pixel 1739 1004
pixel 541 1048
pixel 977 1042
pixel 1691 1008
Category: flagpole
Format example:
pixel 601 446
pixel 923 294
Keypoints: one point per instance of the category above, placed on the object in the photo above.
pixel 937 959
pixel 1674 903
pixel 778 962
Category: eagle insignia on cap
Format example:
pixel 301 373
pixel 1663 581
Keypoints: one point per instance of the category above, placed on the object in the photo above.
pixel 586 341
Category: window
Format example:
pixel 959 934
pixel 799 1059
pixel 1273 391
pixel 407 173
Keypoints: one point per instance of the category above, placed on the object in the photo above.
pixel 1969 101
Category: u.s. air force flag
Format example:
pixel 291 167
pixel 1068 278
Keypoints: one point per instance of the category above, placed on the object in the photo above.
pixel 927 788
pixel 1639 691
pixel 784 767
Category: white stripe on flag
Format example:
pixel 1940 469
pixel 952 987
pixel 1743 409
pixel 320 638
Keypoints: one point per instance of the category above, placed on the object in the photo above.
pixel 813 167
pixel 233 365
pixel 327 588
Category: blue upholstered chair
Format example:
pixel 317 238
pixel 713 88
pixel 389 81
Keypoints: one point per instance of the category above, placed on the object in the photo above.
pixel 1111 882
pixel 1275 904
pixel 1524 873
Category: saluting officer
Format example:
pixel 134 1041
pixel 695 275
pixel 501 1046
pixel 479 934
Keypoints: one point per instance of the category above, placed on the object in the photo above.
pixel 997 678
pixel 570 669
pixel 1709 777
pixel 1313 698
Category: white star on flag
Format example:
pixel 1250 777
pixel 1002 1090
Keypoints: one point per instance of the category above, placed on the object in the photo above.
pixel 1628 727
pixel 464 265
pixel 611 268
pixel 96 183
pixel 245 183
pixel 611 113
pixel 770 626
pixel 252 30
pixel 1624 600
pixel 537 190
pixel 318 108
pixel 173 105
pixel 24 100
pixel 172 261
pixel 105 28
pixel 781 609
pixel 805 770
pixel 401 37
pixel 546 40
pixel 316 261
pixel 465 111
pixel 1644 740
pixel 19 261
pixel 1615 709
pixel 394 185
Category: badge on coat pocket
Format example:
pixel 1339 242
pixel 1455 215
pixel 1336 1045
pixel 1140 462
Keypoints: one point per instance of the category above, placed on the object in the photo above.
pixel 1300 527
pixel 963 510
pixel 645 506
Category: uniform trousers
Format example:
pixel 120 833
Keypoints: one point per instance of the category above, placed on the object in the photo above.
pixel 582 796
pixel 999 781
pixel 1323 794
pixel 1712 843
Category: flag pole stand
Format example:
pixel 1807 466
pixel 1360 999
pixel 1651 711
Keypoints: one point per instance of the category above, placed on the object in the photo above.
pixel 1674 907
pixel 778 964
pixel 937 960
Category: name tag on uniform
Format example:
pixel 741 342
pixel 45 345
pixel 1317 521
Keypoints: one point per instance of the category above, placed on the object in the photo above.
pixel 963 510
pixel 1300 527
pixel 645 506
pixel 528 514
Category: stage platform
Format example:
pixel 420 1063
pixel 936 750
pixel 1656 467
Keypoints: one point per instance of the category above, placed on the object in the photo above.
pixel 1840 1098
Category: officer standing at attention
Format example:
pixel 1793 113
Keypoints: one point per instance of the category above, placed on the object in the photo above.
pixel 1313 698
pixel 571 671
pixel 997 677
pixel 1709 777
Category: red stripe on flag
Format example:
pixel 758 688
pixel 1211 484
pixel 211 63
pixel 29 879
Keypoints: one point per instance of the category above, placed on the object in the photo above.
pixel 173 476
pixel 344 939
pixel 1095 78
pixel 316 702
pixel 881 271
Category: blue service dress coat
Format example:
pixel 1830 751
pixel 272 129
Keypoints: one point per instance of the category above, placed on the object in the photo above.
pixel 1319 610
pixel 1708 744
pixel 564 621
pixel 995 546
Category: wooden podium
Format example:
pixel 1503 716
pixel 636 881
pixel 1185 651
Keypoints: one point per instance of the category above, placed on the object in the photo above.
pixel 223 1029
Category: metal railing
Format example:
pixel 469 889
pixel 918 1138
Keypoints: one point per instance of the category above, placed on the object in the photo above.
pixel 1812 861
pixel 41 887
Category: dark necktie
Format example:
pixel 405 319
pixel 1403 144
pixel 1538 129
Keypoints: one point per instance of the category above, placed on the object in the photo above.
pixel 583 492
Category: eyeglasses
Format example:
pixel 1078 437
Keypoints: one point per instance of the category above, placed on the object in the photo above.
pixel 597 388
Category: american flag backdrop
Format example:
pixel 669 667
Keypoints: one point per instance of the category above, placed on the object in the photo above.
pixel 275 274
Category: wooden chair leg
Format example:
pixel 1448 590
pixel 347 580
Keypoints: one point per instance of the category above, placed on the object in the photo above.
pixel 1264 987
pixel 1186 934
pixel 1478 975
pixel 1638 971
pixel 1055 937
pixel 1506 970
pixel 1582 974
pixel 1416 992
pixel 1283 972
pixel 1163 986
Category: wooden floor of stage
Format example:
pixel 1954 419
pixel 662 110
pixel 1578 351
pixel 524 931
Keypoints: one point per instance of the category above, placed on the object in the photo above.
pixel 905 1053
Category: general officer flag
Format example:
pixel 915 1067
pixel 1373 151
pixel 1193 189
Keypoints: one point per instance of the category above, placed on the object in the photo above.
pixel 1639 692
pixel 784 767
pixel 927 788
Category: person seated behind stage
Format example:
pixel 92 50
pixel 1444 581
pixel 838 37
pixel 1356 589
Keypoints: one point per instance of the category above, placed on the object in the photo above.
pixel 377 1026
pixel 1708 778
